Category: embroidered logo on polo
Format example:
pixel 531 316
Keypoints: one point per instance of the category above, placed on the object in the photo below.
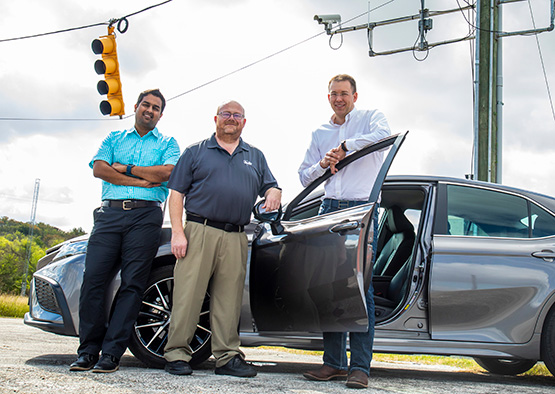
pixel 247 162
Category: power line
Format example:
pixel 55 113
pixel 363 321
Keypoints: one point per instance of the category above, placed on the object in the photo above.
pixel 20 198
pixel 245 67
pixel 111 22
pixel 541 60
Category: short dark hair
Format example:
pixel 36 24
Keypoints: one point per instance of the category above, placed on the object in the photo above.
pixel 344 77
pixel 155 93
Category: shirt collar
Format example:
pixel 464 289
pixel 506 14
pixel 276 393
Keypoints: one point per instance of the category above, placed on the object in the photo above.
pixel 212 143
pixel 154 132
pixel 347 117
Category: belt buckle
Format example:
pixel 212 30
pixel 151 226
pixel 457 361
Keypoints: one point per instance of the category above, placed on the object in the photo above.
pixel 229 228
pixel 341 204
pixel 124 205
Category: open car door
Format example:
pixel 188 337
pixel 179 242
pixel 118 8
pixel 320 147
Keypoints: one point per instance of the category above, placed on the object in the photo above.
pixel 311 273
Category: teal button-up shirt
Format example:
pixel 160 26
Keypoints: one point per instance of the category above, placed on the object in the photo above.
pixel 127 147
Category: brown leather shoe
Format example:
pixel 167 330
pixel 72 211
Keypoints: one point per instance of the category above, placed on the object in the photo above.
pixel 357 380
pixel 326 373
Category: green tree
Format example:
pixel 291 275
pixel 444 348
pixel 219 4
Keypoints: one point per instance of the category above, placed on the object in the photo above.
pixel 14 242
pixel 13 263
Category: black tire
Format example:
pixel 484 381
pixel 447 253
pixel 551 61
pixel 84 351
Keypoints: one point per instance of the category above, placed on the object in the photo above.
pixel 150 333
pixel 548 342
pixel 500 366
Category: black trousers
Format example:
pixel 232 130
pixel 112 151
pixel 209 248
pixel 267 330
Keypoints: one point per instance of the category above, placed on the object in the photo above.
pixel 119 239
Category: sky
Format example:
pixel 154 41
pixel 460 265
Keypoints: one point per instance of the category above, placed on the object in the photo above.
pixel 273 58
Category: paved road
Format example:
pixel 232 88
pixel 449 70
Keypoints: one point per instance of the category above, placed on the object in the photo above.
pixel 32 361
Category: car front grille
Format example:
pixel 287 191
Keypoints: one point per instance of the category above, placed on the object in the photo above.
pixel 45 296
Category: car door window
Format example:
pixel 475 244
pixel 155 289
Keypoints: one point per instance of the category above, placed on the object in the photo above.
pixel 542 222
pixel 485 213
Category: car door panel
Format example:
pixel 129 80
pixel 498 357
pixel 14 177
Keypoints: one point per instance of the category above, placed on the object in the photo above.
pixel 310 278
pixel 470 300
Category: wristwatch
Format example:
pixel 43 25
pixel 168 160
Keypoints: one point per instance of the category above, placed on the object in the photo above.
pixel 344 146
pixel 128 170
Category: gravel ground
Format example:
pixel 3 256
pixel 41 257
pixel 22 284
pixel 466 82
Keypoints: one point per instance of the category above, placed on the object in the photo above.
pixel 33 361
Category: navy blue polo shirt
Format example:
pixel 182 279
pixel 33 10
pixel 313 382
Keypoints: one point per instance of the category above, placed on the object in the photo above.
pixel 219 186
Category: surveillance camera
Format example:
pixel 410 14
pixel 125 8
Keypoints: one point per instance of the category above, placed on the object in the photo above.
pixel 327 19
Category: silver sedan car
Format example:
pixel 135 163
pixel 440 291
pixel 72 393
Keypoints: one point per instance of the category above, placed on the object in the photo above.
pixel 462 268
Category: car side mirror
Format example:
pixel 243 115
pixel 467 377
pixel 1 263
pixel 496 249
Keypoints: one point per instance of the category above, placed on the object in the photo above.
pixel 271 217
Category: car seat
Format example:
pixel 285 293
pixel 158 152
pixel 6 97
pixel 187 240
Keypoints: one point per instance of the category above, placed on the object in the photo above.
pixel 393 295
pixel 398 247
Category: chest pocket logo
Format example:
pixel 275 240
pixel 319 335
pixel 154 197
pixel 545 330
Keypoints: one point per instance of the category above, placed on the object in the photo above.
pixel 247 162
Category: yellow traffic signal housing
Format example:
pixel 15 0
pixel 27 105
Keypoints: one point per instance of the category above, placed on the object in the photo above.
pixel 109 66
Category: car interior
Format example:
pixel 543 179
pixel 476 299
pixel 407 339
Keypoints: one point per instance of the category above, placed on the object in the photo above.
pixel 400 213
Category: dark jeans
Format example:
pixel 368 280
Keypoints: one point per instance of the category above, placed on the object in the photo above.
pixel 361 343
pixel 119 239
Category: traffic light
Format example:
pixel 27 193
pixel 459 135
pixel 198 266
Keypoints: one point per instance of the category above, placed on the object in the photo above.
pixel 109 66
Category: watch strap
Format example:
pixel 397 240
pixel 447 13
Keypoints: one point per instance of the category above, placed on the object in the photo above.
pixel 344 146
pixel 128 170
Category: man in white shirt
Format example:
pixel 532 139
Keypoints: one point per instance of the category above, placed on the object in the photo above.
pixel 348 130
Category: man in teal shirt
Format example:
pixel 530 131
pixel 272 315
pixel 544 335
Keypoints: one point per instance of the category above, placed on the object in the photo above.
pixel 134 166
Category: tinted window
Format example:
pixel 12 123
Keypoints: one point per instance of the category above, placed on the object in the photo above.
pixel 479 212
pixel 543 223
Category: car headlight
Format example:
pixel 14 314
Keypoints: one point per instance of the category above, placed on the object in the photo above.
pixel 71 249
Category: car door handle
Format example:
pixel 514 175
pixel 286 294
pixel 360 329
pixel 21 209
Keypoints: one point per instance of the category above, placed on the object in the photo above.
pixel 547 255
pixel 342 228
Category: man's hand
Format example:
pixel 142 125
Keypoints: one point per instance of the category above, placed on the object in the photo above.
pixel 147 184
pixel 179 244
pixel 273 199
pixel 333 157
pixel 121 168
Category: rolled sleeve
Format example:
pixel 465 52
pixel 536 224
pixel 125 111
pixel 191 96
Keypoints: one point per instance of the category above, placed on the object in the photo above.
pixel 172 153
pixel 105 152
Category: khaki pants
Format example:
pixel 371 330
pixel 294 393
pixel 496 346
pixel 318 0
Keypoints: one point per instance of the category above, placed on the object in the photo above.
pixel 220 256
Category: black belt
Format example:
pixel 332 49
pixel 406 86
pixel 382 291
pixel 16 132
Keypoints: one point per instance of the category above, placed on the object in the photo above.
pixel 127 205
pixel 228 227
pixel 343 204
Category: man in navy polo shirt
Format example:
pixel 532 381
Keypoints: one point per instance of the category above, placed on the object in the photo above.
pixel 134 166
pixel 220 179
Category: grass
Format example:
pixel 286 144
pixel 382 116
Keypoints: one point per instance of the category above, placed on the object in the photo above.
pixel 13 305
pixel 466 364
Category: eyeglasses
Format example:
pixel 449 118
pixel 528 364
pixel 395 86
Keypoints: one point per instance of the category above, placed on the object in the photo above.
pixel 342 94
pixel 227 115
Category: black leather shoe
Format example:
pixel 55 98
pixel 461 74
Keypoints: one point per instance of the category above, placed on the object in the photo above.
pixel 106 364
pixel 84 362
pixel 178 367
pixel 237 367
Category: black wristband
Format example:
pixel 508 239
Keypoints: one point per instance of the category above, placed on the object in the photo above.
pixel 128 170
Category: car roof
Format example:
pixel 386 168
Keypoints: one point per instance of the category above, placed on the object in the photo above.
pixel 547 201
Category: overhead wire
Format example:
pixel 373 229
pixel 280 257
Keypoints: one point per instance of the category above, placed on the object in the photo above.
pixel 272 55
pixel 85 26
pixel 542 62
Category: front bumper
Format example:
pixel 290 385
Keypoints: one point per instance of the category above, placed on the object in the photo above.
pixel 54 296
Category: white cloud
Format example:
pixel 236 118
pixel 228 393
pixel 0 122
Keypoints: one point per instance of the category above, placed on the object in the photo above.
pixel 182 45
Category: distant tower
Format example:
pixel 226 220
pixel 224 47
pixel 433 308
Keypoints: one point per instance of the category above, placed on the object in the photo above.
pixel 31 228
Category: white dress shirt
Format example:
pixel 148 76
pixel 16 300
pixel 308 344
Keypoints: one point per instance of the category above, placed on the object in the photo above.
pixel 355 181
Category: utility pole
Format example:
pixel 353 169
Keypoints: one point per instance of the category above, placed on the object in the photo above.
pixel 488 90
pixel 31 228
